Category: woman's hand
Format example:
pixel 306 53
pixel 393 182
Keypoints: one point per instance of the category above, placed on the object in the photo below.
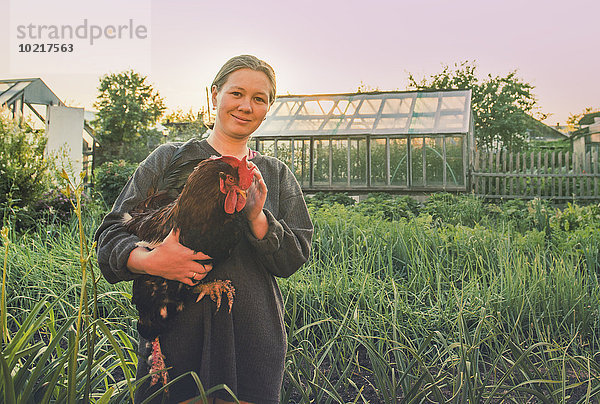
pixel 170 260
pixel 255 202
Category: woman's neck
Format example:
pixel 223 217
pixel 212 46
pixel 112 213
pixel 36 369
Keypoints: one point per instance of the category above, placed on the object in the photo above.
pixel 227 146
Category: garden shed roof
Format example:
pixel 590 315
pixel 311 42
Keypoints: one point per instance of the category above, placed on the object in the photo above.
pixel 386 113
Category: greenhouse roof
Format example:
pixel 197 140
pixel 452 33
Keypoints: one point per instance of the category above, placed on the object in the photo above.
pixel 385 113
pixel 31 91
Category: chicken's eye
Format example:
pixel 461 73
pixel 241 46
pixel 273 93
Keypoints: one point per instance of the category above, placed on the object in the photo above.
pixel 230 179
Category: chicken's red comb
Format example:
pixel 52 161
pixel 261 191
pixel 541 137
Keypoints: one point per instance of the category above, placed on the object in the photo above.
pixel 245 173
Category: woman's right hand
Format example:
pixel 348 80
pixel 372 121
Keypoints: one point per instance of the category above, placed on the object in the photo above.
pixel 170 260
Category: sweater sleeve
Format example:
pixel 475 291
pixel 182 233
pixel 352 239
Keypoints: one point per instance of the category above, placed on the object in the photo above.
pixel 286 246
pixel 114 242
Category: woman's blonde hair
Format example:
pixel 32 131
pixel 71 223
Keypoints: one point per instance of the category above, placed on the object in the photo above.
pixel 244 62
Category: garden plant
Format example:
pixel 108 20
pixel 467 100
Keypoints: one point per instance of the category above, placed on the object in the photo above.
pixel 454 300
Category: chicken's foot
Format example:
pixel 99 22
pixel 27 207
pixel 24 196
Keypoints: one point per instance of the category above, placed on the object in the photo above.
pixel 215 289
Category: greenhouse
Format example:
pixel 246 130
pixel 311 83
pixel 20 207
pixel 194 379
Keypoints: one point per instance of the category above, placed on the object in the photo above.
pixel 381 141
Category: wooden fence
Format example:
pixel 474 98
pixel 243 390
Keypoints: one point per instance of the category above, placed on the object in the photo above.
pixel 547 175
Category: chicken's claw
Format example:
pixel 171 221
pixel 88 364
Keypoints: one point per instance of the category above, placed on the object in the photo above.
pixel 215 289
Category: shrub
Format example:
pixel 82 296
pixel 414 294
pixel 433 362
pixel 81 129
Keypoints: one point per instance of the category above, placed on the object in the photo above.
pixel 55 205
pixel 323 198
pixel 24 174
pixel 389 206
pixel 111 177
pixel 467 210
pixel 574 217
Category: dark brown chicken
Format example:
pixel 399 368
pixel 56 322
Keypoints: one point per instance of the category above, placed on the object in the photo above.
pixel 207 216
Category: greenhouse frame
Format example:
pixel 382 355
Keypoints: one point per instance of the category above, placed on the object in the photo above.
pixel 400 142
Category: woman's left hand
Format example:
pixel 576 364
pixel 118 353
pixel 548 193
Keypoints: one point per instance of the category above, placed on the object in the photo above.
pixel 256 195
pixel 255 202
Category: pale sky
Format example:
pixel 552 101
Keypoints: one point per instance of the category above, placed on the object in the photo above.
pixel 332 46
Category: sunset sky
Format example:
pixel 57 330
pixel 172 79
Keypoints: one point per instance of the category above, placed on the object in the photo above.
pixel 332 46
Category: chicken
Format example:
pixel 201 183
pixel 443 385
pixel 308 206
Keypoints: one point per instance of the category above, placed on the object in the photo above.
pixel 207 215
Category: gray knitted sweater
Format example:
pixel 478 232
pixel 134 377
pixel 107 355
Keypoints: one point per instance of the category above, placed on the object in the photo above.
pixel 245 349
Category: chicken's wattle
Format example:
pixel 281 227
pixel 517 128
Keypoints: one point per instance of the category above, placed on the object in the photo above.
pixel 235 201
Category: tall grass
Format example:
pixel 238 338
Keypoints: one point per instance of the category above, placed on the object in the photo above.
pixel 445 312
pixel 425 308
pixel 55 349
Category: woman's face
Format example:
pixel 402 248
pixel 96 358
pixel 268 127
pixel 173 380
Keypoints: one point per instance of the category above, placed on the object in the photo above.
pixel 242 103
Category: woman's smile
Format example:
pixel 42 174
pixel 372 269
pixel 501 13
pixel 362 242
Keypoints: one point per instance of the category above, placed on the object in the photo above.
pixel 240 119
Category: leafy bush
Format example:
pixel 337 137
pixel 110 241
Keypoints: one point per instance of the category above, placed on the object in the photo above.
pixel 514 210
pixel 24 174
pixel 55 205
pixel 111 177
pixel 391 207
pixel 574 217
pixel 467 210
pixel 324 198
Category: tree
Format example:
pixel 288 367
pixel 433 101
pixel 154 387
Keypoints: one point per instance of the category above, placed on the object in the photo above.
pixel 573 119
pixel 128 107
pixel 184 125
pixel 501 105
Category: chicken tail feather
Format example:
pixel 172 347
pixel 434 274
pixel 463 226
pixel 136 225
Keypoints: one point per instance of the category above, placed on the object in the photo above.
pixel 158 368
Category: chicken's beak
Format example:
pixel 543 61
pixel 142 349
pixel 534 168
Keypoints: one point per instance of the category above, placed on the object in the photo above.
pixel 242 192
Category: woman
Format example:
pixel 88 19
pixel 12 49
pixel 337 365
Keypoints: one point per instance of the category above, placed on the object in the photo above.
pixel 245 349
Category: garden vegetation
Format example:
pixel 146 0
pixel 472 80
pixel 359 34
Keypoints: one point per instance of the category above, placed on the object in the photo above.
pixel 453 300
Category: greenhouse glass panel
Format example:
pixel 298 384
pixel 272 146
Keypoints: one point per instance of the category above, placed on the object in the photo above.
pixel 6 96
pixel 267 147
pixel 392 123
pixel 339 161
pixel 275 125
pixel 457 103
pixel 358 161
pixel 316 107
pixel 434 160
pixel 365 124
pixel 326 106
pixel 420 123
pixel 426 105
pixel 416 154
pixel 287 108
pixel 399 162
pixel 321 162
pixel 284 151
pixel 378 162
pixel 336 123
pixel 345 107
pixel 397 106
pixel 451 121
pixel 454 160
pixel 370 107
pixel 306 125
pixel 302 161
